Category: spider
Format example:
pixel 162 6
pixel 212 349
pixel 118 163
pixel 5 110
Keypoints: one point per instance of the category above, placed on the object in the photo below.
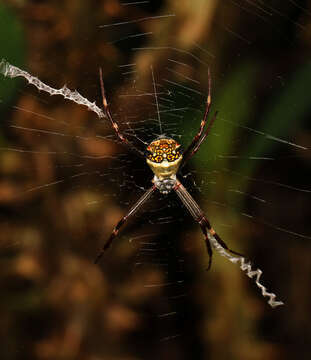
pixel 164 157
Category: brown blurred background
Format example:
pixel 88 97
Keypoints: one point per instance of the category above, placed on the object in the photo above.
pixel 65 181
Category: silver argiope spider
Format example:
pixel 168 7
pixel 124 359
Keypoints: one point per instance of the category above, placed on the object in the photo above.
pixel 165 160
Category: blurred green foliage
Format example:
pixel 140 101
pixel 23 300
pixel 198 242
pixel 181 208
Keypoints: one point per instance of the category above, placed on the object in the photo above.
pixel 284 114
pixel 234 102
pixel 12 49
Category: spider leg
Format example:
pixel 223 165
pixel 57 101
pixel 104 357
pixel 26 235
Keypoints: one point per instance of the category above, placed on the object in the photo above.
pixel 188 151
pixel 199 216
pixel 130 213
pixel 199 143
pixel 200 137
pixel 114 124
pixel 208 246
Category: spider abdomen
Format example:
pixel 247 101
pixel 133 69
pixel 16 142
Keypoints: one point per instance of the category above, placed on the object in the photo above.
pixel 164 185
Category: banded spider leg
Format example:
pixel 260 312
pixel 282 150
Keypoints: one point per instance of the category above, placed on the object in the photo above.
pixel 199 216
pixel 130 213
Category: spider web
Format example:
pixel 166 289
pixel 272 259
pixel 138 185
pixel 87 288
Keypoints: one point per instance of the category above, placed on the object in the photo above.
pixel 73 156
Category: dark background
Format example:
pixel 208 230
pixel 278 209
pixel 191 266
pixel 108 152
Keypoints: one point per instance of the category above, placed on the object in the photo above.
pixel 55 303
